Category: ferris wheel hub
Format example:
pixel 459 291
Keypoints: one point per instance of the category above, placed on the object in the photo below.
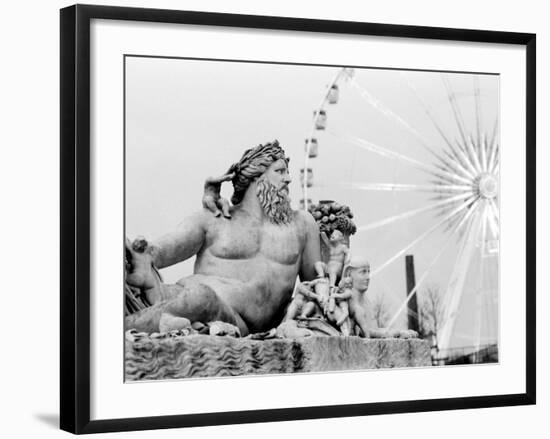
pixel 487 186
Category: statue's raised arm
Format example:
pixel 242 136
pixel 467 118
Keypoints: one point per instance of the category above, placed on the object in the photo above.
pixel 182 243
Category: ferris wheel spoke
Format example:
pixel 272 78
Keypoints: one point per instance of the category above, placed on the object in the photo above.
pixel 456 283
pixel 461 151
pixel 388 153
pixel 480 292
pixel 388 113
pixel 493 149
pixel 447 178
pixel 454 221
pixel 466 217
pixel 419 283
pixel 495 130
pixel 397 187
pixel 496 161
pixel 459 163
pixel 495 210
pixel 474 159
pixel 483 154
pixel 412 212
pixel 454 106
pixel 478 108
pixel 454 165
pixel 495 167
pixel 466 221
pixel 427 110
pixel 424 235
pixel 425 275
pixel 493 218
pixel 384 152
pixel 393 296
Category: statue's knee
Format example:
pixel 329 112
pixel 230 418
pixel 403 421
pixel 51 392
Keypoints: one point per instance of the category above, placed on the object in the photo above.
pixel 197 300
pixel 207 296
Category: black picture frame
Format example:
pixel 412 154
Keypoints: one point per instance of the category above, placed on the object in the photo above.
pixel 75 217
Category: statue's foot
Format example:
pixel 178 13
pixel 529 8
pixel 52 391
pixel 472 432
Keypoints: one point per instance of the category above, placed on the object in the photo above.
pixel 290 329
pixel 223 328
pixel 390 333
pixel 408 333
pixel 267 335
pixel 318 327
pixel 169 322
pixel 378 333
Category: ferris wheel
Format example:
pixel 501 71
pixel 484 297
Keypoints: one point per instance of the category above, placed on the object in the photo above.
pixel 423 150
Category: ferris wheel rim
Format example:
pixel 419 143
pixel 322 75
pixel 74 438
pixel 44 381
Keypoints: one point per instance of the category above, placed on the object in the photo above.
pixel 473 159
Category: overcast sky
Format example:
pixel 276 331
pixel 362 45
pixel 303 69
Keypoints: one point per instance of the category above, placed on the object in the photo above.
pixel 188 119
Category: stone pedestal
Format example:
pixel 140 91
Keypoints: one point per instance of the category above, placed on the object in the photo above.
pixel 161 356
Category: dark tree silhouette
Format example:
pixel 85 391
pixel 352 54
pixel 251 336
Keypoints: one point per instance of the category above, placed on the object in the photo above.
pixel 431 312
pixel 380 310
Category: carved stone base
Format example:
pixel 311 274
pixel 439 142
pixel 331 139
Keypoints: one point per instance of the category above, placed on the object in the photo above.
pixel 161 356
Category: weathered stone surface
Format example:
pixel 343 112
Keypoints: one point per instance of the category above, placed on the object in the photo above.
pixel 207 356
pixel 169 356
pixel 354 353
pixel 420 352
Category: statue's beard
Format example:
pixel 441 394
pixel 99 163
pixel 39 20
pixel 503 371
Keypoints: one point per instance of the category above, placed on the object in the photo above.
pixel 274 201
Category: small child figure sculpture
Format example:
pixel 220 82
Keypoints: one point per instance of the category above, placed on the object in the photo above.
pixel 338 257
pixel 338 307
pixel 341 298
pixel 141 271
pixel 305 301
pixel 357 273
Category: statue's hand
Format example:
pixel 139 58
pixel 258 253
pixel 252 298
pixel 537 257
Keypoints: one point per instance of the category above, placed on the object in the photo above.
pixel 212 199
pixel 325 306
pixel 219 180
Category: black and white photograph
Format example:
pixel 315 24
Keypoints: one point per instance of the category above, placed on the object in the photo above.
pixel 275 219
pixel 291 218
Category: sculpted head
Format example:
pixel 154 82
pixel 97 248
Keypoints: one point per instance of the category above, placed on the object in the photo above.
pixel 267 167
pixel 337 237
pixel 358 271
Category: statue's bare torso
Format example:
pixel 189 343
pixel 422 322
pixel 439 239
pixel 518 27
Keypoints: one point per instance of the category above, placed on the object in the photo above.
pixel 249 262
pixel 252 264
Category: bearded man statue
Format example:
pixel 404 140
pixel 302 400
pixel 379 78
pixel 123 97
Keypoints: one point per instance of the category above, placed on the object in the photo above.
pixel 247 260
pixel 272 195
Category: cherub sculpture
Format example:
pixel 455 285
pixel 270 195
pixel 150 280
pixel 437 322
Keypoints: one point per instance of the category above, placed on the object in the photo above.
pixel 141 269
pixel 338 305
pixel 307 302
pixel 338 256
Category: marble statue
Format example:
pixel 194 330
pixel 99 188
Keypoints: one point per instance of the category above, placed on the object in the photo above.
pixel 248 255
pixel 243 310
pixel 356 283
pixel 306 301
pixel 345 307
pixel 339 299
pixel 338 255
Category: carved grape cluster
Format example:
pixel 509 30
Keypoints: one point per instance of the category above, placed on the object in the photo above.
pixel 333 216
